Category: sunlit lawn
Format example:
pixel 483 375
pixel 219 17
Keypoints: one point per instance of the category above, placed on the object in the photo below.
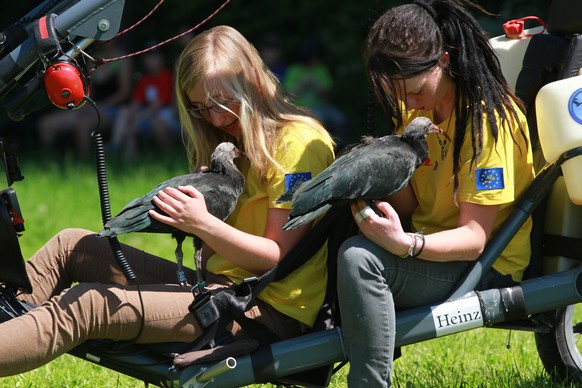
pixel 56 196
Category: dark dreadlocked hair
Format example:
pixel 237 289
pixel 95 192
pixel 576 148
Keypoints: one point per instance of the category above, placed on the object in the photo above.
pixel 408 40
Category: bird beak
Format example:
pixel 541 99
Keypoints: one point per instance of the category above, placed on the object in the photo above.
pixel 439 131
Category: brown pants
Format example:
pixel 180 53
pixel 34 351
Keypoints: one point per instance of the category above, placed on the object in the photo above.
pixel 102 305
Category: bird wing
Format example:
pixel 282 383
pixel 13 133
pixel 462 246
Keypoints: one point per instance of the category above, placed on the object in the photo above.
pixel 221 197
pixel 376 171
pixel 367 172
pixel 320 189
pixel 134 216
pixel 373 171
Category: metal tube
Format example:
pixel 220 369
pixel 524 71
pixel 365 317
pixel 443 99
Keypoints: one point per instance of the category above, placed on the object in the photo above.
pixel 553 291
pixel 13 65
pixel 471 311
pixel 287 357
pixel 539 295
pixel 428 322
pixel 215 370
pixel 525 206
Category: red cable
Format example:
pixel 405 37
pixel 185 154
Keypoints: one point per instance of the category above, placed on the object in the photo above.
pixel 106 60
pixel 140 21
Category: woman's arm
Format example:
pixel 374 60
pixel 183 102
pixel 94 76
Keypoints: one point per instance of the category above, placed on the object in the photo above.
pixel 465 242
pixel 186 210
pixel 404 202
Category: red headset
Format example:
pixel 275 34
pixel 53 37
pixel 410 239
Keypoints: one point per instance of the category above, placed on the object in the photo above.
pixel 64 82
pixel 65 85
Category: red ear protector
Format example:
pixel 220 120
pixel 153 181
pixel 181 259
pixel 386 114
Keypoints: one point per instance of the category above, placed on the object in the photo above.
pixel 65 85
pixel 64 82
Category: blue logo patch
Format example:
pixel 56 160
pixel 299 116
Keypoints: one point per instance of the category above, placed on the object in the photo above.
pixel 489 178
pixel 575 106
pixel 292 179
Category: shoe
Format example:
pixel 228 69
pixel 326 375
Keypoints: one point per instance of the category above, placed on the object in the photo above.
pixel 10 307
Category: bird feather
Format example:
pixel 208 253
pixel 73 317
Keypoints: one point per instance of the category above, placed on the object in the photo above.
pixel 374 169
pixel 221 185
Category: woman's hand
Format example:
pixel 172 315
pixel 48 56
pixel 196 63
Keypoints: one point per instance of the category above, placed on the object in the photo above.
pixel 465 242
pixel 386 230
pixel 184 208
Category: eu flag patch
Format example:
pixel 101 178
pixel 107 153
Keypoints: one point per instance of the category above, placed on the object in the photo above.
pixel 489 178
pixel 292 179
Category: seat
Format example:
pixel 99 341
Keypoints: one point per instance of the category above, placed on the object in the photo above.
pixel 13 271
pixel 147 362
pixel 549 57
pixel 537 69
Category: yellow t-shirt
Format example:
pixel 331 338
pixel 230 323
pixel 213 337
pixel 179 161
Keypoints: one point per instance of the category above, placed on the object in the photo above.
pixel 502 173
pixel 303 153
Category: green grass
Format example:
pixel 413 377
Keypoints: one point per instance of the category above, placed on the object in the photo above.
pixel 59 195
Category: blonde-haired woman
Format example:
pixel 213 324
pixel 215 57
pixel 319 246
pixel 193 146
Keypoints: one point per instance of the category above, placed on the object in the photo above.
pixel 224 92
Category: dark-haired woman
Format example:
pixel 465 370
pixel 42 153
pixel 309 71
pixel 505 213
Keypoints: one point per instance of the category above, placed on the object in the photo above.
pixel 431 58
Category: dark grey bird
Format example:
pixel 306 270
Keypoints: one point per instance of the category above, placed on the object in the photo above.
pixel 221 185
pixel 372 170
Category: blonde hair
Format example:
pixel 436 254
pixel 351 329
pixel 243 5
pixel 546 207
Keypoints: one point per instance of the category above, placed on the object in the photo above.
pixel 223 61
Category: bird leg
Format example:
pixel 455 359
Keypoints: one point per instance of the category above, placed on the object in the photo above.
pixel 180 260
pixel 198 260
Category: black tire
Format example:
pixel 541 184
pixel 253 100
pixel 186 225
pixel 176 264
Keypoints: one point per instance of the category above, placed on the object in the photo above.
pixel 559 350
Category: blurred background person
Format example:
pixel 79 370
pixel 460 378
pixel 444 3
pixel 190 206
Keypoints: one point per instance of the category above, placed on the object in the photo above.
pixel 151 115
pixel 111 88
pixel 272 51
pixel 310 82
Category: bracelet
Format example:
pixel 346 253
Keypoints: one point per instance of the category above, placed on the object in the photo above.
pixel 417 253
pixel 412 251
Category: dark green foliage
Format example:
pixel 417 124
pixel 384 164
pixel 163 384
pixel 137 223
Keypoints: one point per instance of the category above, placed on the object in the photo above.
pixel 340 24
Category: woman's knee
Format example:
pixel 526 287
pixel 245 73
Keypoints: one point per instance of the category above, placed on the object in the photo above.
pixel 69 246
pixel 353 255
pixel 76 233
pixel 70 237
pixel 81 240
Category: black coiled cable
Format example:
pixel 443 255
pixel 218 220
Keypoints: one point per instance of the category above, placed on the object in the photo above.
pixel 106 216
pixel 106 204
pixel 104 194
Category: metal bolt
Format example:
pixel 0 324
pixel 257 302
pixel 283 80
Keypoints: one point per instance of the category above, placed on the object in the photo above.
pixel 104 25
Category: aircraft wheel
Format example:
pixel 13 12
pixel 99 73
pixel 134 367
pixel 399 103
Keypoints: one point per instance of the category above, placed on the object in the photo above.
pixel 559 350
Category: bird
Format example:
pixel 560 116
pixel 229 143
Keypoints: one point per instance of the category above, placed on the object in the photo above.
pixel 374 169
pixel 221 185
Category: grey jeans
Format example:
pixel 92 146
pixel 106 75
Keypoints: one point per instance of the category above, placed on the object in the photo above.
pixel 372 285
pixel 103 305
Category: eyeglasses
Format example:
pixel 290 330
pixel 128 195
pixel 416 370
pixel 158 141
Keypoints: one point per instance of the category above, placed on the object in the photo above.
pixel 202 112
